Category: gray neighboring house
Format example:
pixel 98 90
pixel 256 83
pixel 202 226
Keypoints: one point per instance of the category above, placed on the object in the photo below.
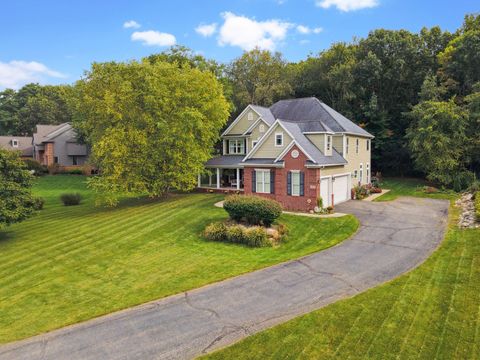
pixel 18 143
pixel 57 144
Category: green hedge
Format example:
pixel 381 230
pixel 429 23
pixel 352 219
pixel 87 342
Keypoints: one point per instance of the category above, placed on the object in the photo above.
pixel 253 209
pixel 251 236
pixel 71 199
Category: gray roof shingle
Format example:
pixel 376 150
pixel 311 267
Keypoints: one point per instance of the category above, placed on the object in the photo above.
pixel 265 113
pixel 225 160
pixel 24 144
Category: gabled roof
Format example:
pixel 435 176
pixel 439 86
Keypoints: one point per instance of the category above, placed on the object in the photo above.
pixel 264 113
pixel 24 144
pixel 315 116
pixel 46 133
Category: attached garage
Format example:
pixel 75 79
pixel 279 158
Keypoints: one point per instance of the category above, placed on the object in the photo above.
pixel 338 185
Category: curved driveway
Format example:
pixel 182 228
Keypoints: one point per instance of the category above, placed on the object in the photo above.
pixel 393 238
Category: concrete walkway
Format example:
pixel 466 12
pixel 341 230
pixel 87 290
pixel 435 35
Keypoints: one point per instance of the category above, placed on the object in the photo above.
pixel 394 237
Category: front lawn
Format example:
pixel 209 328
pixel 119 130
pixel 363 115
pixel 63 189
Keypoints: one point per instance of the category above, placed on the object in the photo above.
pixel 69 264
pixel 409 187
pixel 432 312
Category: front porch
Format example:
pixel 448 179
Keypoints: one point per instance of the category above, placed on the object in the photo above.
pixel 223 179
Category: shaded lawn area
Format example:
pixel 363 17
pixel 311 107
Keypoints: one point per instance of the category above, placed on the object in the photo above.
pixel 432 312
pixel 69 264
pixel 409 187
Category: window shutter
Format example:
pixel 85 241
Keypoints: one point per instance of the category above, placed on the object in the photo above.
pixel 272 181
pixel 289 183
pixel 244 146
pixel 254 181
pixel 302 183
pixel 227 150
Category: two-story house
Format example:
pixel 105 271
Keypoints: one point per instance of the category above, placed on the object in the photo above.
pixel 57 144
pixel 294 152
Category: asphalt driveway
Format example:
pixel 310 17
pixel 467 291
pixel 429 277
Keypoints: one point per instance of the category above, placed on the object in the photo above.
pixel 393 238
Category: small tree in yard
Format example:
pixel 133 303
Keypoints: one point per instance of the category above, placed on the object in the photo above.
pixel 16 200
pixel 151 126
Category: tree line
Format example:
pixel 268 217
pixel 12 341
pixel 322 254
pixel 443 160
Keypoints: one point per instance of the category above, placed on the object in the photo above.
pixel 418 93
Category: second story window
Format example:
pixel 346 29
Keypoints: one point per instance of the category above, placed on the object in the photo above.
pixel 15 143
pixel 236 146
pixel 279 139
pixel 356 147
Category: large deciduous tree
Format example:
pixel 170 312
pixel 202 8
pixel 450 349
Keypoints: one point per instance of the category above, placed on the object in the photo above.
pixel 152 126
pixel 16 200
pixel 259 77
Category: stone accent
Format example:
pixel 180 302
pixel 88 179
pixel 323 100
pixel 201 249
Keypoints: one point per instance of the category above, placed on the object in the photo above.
pixel 295 203
pixel 48 157
pixel 467 217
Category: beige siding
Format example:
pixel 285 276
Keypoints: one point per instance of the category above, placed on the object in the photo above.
pixel 243 123
pixel 256 134
pixel 354 159
pixel 318 140
pixel 333 170
pixel 338 143
pixel 268 149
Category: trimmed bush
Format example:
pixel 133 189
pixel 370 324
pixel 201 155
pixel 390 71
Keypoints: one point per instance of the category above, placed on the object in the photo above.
pixel 252 209
pixel 38 203
pixel 74 172
pixel 216 231
pixel 71 199
pixel 37 168
pixel 238 234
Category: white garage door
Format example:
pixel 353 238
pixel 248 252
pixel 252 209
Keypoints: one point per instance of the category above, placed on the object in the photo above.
pixel 324 191
pixel 340 188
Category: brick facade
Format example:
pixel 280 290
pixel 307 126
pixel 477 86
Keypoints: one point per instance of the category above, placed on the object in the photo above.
pixel 306 202
pixel 48 156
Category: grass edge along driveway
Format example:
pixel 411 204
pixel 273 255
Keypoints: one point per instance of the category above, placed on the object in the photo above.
pixel 431 312
pixel 70 264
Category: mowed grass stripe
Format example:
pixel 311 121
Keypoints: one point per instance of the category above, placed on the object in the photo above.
pixel 98 224
pixel 70 264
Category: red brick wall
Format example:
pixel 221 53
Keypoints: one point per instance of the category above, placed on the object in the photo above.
pixel 311 188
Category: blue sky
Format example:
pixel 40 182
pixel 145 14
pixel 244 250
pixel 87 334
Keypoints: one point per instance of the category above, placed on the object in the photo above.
pixel 55 41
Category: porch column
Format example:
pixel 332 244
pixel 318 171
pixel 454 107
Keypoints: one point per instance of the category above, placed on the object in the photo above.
pixel 199 180
pixel 209 179
pixel 238 178
pixel 218 178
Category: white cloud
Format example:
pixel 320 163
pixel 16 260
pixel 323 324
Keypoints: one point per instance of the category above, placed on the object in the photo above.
pixel 302 29
pixel 206 30
pixel 304 42
pixel 248 33
pixel 154 38
pixel 131 24
pixel 347 5
pixel 15 74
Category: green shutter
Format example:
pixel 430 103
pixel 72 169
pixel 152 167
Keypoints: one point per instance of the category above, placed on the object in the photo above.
pixel 289 183
pixel 302 183
pixel 272 181
pixel 254 181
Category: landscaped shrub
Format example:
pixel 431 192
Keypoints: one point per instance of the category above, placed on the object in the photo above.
pixel 255 236
pixel 253 209
pixel 37 168
pixel 71 199
pixel 74 172
pixel 38 203
pixel 216 231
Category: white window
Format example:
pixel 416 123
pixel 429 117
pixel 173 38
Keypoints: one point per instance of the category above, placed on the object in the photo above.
pixel 356 148
pixel 250 116
pixel 368 173
pixel 261 128
pixel 346 146
pixel 361 173
pixel 329 142
pixel 236 146
pixel 295 183
pixel 14 142
pixel 262 178
pixel 368 145
pixel 279 139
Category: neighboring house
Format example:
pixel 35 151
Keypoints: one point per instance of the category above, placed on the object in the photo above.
pixel 57 144
pixel 294 152
pixel 18 143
